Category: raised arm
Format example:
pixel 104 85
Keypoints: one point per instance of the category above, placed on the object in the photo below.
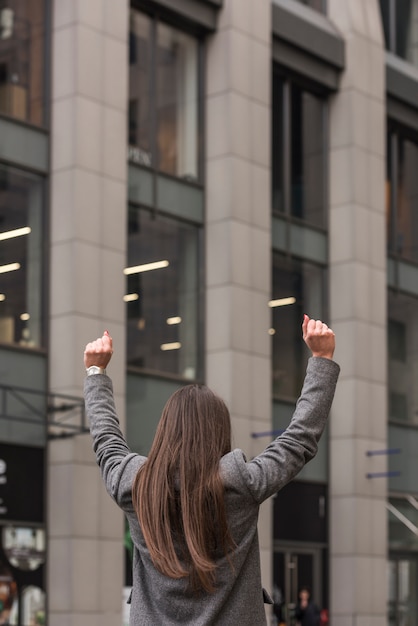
pixel 285 457
pixel 112 452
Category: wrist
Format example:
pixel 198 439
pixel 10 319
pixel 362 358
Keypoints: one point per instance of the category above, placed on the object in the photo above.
pixel 95 369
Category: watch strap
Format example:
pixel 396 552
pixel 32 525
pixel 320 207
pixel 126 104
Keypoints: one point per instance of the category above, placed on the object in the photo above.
pixel 95 369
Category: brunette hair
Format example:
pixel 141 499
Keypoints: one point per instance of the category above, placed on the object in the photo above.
pixel 178 494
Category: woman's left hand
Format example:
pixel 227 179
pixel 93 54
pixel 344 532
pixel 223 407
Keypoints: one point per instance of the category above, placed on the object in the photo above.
pixel 99 352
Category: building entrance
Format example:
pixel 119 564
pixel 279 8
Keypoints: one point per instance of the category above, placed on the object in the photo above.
pixel 294 567
pixel 403 590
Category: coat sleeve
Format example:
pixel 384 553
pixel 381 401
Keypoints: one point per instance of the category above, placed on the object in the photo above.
pixel 118 465
pixel 282 459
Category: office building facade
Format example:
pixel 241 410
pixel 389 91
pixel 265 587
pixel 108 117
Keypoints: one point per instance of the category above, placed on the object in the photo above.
pixel 193 176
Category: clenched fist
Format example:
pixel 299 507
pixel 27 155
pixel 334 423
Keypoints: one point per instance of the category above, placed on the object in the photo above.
pixel 318 337
pixel 99 352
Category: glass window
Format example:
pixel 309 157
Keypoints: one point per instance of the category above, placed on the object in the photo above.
pixel 298 288
pixel 403 522
pixel 318 5
pixel 163 98
pixel 402 194
pixel 139 113
pixel 403 586
pixel 278 144
pixel 307 164
pixel 299 149
pixel 162 296
pixel 22 59
pixel 403 357
pixel 176 100
pixel 400 25
pixel 21 204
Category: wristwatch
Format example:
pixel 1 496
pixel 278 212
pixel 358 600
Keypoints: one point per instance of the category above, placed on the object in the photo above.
pixel 95 369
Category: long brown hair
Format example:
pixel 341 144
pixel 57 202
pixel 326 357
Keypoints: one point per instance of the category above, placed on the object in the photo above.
pixel 179 493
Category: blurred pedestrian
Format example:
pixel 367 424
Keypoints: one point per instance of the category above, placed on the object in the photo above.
pixel 307 613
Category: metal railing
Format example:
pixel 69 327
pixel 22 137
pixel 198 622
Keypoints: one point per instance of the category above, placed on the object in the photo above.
pixel 53 415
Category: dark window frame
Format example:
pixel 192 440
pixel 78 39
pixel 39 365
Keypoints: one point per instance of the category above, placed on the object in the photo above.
pixel 392 28
pixel 395 134
pixel 168 18
pixel 46 74
pixel 290 79
pixel 200 365
pixel 292 264
pixel 42 348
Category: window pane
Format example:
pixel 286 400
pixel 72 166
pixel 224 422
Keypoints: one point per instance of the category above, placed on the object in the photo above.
pixel 385 11
pixel 21 200
pixel 22 68
pixel 407 30
pixel 403 589
pixel 139 126
pixel 403 357
pixel 400 25
pixel 402 523
pixel 407 200
pixel 390 223
pixel 177 110
pixel 403 465
pixel 307 162
pixel 163 295
pixel 318 5
pixel 278 145
pixel 298 288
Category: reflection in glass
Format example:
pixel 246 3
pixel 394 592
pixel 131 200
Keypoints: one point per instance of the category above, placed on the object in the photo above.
pixel 22 67
pixel 162 294
pixel 33 606
pixel 24 547
pixel 385 10
pixel 8 593
pixel 318 5
pixel 403 590
pixel 402 194
pixel 307 163
pixel 163 97
pixel 21 200
pixel 400 24
pixel 177 119
pixel 389 208
pixel 407 200
pixel 304 282
pixel 403 520
pixel 278 144
pixel 403 357
pixel 298 151
pixel 139 117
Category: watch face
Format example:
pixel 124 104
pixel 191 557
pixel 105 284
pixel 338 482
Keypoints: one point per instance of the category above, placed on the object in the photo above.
pixel 94 369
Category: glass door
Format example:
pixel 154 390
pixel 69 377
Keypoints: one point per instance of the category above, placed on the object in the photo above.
pixel 403 590
pixel 293 569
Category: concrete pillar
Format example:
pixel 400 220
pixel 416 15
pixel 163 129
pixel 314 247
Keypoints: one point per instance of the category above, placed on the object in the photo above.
pixel 88 243
pixel 358 523
pixel 238 257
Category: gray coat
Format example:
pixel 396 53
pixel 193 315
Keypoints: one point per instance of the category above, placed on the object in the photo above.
pixel 161 601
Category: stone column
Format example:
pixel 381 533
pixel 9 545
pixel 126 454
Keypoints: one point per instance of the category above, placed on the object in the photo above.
pixel 358 522
pixel 238 250
pixel 88 243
